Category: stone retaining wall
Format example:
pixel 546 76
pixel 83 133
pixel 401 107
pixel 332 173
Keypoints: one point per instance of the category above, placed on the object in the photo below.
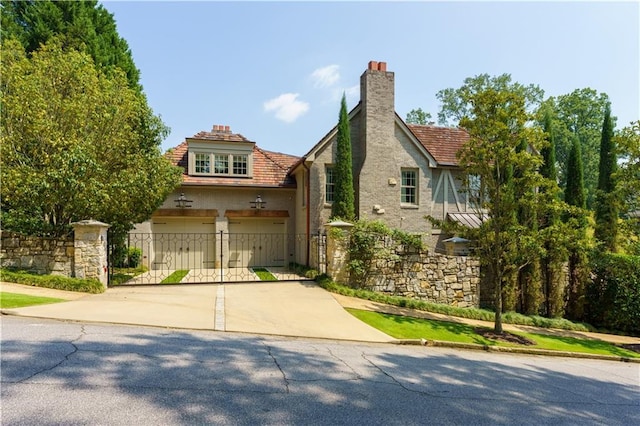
pixel 36 254
pixel 437 278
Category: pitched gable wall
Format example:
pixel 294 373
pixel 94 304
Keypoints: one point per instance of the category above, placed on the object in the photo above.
pixel 382 147
pixel 387 151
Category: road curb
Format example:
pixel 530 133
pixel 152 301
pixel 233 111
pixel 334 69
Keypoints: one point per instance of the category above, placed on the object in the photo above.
pixel 504 349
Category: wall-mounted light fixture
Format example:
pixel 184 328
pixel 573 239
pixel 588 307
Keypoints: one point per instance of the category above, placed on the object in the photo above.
pixel 258 203
pixel 182 202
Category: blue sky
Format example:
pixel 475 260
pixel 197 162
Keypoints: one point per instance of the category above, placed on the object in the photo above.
pixel 275 71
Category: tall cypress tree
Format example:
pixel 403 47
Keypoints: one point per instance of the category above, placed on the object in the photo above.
pixel 606 205
pixel 578 268
pixel 529 280
pixel 343 206
pixel 553 260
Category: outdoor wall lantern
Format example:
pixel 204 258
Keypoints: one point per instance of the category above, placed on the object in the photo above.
pixel 182 201
pixel 258 203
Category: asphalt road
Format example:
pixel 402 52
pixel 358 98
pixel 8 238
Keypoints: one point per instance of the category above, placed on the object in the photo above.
pixel 73 373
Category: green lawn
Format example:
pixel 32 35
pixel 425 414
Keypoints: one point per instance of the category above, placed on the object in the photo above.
pixel 402 327
pixel 264 275
pixel 122 275
pixel 14 300
pixel 175 277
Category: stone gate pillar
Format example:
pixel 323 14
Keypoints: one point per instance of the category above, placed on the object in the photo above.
pixel 90 246
pixel 338 250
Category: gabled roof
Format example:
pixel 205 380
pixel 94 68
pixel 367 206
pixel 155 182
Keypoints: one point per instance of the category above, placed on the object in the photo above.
pixel 310 156
pixel 442 142
pixel 270 169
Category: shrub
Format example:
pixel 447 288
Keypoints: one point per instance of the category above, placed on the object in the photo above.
pixel 613 294
pixel 134 255
pixel 57 282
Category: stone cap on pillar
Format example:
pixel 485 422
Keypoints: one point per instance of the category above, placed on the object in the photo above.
pixel 90 222
pixel 340 224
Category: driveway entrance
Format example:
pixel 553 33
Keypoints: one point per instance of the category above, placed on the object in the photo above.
pixel 265 253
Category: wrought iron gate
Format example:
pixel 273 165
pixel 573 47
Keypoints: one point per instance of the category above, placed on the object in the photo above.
pixel 172 258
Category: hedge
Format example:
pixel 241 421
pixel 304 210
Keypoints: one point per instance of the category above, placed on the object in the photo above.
pixel 614 292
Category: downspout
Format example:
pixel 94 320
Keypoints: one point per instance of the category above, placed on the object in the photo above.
pixel 304 164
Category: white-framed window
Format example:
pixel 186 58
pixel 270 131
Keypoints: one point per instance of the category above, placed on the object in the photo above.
pixel 240 165
pixel 409 187
pixel 474 188
pixel 329 184
pixel 203 163
pixel 220 164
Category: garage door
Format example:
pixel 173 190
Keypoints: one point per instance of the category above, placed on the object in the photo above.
pixel 257 242
pixel 184 243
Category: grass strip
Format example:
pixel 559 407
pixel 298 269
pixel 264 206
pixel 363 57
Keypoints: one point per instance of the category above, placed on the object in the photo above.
pixel 175 277
pixel 264 274
pixel 403 327
pixel 438 308
pixel 122 275
pixel 15 300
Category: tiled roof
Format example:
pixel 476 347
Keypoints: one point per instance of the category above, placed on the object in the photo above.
pixel 220 135
pixel 442 142
pixel 270 169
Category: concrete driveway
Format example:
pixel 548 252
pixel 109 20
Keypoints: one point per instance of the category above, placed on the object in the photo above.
pixel 295 308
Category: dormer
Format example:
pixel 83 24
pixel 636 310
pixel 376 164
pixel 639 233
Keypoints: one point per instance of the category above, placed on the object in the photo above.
pixel 220 153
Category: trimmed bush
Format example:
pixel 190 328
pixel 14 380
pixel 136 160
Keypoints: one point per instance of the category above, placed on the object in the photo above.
pixel 614 292
pixel 57 282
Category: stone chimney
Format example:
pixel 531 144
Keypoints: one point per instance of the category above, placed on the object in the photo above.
pixel 373 148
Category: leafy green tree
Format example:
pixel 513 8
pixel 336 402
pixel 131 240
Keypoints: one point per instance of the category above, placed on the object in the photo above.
pixel 580 113
pixel 496 113
pixel 578 262
pixel 72 146
pixel 606 213
pixel 343 206
pixel 454 108
pixel 529 281
pixel 82 25
pixel 628 179
pixel 552 262
pixel 418 116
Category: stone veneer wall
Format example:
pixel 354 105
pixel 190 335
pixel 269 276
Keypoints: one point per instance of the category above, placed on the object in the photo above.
pixel 36 254
pixel 437 278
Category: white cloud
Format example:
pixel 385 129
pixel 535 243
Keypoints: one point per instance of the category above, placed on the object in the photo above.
pixel 325 77
pixel 352 94
pixel 287 107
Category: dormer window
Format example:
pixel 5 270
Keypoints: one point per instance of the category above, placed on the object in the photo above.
pixel 220 158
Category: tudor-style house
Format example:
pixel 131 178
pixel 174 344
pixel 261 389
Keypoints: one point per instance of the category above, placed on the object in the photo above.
pixel 242 195
pixel 402 172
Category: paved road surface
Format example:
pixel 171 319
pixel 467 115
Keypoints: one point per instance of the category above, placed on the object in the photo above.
pixel 74 373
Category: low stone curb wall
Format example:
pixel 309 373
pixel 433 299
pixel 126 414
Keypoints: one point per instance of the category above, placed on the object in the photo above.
pixel 36 254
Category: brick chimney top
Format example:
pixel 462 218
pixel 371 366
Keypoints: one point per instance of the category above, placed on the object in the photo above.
pixel 218 128
pixel 377 66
